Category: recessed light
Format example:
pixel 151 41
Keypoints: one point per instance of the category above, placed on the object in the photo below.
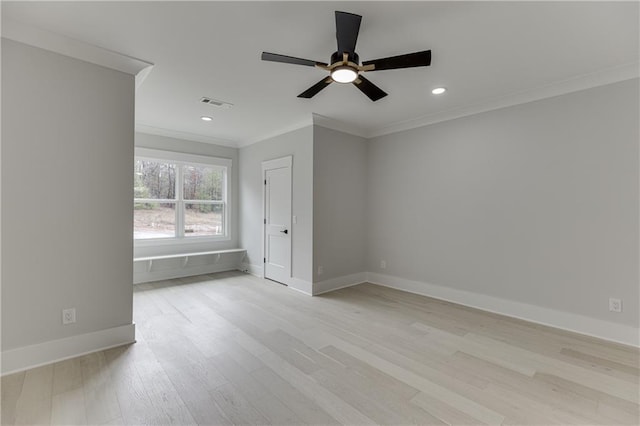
pixel 438 90
pixel 206 118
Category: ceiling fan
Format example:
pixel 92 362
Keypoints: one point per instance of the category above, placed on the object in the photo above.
pixel 345 63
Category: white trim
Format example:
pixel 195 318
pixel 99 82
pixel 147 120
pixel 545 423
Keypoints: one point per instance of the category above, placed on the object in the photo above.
pixel 66 46
pixel 339 282
pixel 142 76
pixel 332 123
pixel 302 286
pixel 574 84
pixel 177 134
pixel 576 323
pixel 277 163
pixel 180 272
pixel 180 157
pixel 315 119
pixel 282 131
pixel 171 245
pixel 251 268
pixel 190 254
pixel 26 357
pixel 181 160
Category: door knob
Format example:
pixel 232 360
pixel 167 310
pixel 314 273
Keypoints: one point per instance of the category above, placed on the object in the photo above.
pixel 286 231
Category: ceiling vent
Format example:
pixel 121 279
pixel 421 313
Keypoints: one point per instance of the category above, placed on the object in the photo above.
pixel 215 103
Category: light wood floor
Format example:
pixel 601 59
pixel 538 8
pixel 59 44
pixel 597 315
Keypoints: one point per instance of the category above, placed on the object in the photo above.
pixel 233 349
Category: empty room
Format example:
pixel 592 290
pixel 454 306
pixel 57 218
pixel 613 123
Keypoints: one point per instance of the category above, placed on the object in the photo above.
pixel 320 213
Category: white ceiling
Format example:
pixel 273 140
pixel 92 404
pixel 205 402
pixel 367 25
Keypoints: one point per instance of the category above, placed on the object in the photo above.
pixel 482 52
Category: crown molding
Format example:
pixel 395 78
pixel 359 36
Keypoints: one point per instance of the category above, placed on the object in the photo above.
pixel 574 84
pixel 66 46
pixel 281 131
pixel 142 75
pixel 332 123
pixel 176 134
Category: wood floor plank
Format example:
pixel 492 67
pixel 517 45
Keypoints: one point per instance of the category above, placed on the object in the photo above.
pixel 537 389
pixel 624 372
pixel 231 348
pixel 145 393
pixel 101 402
pixel 360 399
pixel 236 407
pixel 259 396
pixel 160 391
pixel 304 408
pixel 34 403
pixel 11 388
pixel 620 410
pixel 67 376
pixel 341 411
pixel 616 387
pixel 431 388
pixel 68 408
pixel 193 389
pixel 443 411
pixel 565 346
pixel 371 377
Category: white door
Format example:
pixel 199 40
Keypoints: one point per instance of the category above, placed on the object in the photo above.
pixel 277 219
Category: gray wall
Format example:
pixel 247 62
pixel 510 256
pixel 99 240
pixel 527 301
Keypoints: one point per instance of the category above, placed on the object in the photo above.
pixel 67 156
pixel 339 201
pixel 536 203
pixel 299 144
pixel 144 140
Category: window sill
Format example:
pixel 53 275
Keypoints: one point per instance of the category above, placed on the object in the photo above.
pixel 156 242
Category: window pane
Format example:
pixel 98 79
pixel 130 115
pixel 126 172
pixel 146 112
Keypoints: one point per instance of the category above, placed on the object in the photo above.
pixel 154 179
pixel 203 183
pixel 203 219
pixel 154 220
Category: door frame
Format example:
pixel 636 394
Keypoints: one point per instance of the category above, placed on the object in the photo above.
pixel 276 163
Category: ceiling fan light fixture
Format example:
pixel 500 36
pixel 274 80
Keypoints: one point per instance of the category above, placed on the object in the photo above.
pixel 344 65
pixel 344 74
pixel 439 90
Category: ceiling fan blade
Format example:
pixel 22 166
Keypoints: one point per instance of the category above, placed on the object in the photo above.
pixel 275 57
pixel 368 88
pixel 316 88
pixel 410 60
pixel 347 28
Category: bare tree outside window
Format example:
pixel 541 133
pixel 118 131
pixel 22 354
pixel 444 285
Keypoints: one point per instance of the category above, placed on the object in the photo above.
pixel 203 192
pixel 157 206
pixel 154 208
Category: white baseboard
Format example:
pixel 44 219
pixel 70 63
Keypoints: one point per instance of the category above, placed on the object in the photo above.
pixel 301 285
pixel 170 273
pixel 293 283
pixel 339 282
pixel 26 357
pixel 251 268
pixel 581 324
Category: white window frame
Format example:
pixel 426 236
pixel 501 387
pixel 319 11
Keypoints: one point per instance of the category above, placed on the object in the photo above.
pixel 181 160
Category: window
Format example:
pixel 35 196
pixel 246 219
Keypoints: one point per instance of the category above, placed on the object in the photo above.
pixel 179 196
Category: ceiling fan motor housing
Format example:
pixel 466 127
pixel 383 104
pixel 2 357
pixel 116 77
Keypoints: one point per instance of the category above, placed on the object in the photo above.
pixel 338 57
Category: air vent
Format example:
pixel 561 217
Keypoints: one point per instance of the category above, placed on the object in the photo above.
pixel 215 103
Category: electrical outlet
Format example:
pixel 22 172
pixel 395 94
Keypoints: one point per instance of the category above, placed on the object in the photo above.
pixel 68 316
pixel 320 270
pixel 383 264
pixel 615 305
